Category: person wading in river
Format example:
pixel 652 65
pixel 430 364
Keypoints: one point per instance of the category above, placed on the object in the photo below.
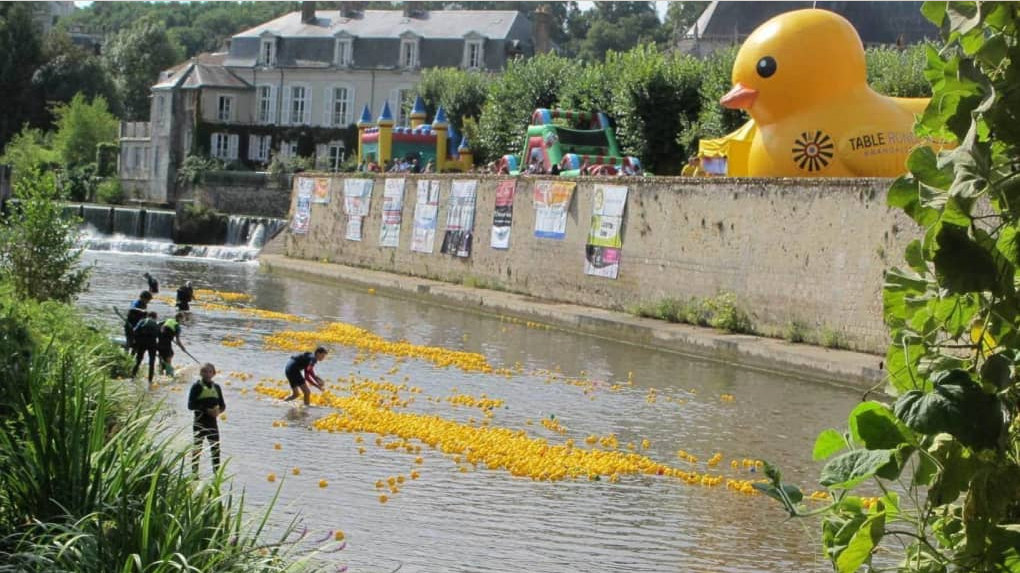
pixel 206 400
pixel 134 315
pixel 146 340
pixel 153 283
pixel 300 370
pixel 169 333
pixel 185 295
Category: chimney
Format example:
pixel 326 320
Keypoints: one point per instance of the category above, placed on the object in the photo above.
pixel 351 9
pixel 543 22
pixel 308 12
pixel 414 10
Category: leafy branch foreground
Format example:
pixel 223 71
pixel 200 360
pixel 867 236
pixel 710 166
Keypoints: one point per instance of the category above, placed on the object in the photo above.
pixel 944 459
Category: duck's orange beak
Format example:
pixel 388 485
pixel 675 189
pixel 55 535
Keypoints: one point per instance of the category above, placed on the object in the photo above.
pixel 739 97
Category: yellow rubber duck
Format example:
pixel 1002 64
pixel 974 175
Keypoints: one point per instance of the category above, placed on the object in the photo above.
pixel 802 78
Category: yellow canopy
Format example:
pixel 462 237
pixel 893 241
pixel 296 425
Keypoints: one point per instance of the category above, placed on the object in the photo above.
pixel 735 147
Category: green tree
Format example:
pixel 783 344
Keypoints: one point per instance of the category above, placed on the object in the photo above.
pixel 461 93
pixel 30 151
pixel 135 57
pixel 39 255
pixel 898 73
pixel 523 86
pixel 20 54
pixel 81 127
pixel 614 26
pixel 950 443
pixel 70 69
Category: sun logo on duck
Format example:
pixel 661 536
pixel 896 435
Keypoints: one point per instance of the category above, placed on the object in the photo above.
pixel 813 152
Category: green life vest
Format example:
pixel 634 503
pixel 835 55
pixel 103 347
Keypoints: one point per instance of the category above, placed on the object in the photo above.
pixel 208 392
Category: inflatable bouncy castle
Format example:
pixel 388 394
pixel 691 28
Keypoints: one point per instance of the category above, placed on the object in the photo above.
pixel 588 144
pixel 801 76
pixel 380 141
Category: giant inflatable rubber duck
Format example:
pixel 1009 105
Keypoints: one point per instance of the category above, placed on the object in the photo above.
pixel 801 76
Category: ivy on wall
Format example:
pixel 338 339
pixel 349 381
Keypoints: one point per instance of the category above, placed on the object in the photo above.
pixel 307 137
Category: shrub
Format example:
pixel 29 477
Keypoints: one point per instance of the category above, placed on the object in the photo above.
pixel 196 223
pixel 78 183
pixel 110 191
pixel 795 331
pixel 194 167
pixel 39 256
pixel 726 315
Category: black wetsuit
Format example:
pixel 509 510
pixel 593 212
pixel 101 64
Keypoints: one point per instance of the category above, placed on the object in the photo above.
pixel 146 340
pixel 295 369
pixel 169 329
pixel 134 315
pixel 153 285
pixel 202 397
pixel 185 295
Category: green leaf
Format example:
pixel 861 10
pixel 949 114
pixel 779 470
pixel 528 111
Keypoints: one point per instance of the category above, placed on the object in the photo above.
pixel 924 165
pixel 905 194
pixel 827 443
pixel 935 12
pixel 858 551
pixel 996 371
pixel 914 255
pixel 1008 243
pixel 901 362
pixel 792 492
pixel 962 265
pixel 955 313
pixel 902 295
pixel 955 473
pixel 851 468
pixel 874 426
pixel 963 16
pixel 956 406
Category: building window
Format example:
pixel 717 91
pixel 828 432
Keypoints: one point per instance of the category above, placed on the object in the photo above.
pixel 267 55
pixel 474 54
pixel 225 108
pixel 409 53
pixel 259 146
pixel 160 109
pixel 288 149
pixel 299 108
pixel 339 105
pixel 336 155
pixel 223 146
pixel 344 51
pixel 137 160
pixel 266 110
pixel 401 99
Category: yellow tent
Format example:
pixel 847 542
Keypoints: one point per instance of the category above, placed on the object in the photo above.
pixel 735 147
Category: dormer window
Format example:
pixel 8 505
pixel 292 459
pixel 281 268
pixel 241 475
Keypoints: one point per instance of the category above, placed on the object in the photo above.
pixel 474 52
pixel 267 51
pixel 409 51
pixel 344 51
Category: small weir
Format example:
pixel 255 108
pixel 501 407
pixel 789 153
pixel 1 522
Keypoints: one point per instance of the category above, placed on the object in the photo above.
pixel 151 231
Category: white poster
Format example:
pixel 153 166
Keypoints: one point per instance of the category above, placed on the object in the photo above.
pixel 357 196
pixel 303 208
pixel 503 214
pixel 605 243
pixel 426 211
pixel 393 207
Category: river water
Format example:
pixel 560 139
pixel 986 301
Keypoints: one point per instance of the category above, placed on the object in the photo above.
pixel 456 517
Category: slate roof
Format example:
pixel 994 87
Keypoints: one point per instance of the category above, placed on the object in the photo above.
pixel 204 70
pixel 391 23
pixel 876 22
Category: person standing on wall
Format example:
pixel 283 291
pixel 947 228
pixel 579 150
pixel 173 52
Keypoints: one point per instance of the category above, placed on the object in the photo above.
pixel 206 400
pixel 153 283
pixel 185 295
pixel 301 367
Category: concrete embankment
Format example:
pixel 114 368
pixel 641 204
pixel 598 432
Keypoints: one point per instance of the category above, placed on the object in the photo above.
pixel 797 360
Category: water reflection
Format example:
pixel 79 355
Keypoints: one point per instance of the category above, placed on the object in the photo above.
pixel 487 520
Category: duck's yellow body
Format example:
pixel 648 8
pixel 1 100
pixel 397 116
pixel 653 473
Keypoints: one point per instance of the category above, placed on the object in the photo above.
pixel 802 78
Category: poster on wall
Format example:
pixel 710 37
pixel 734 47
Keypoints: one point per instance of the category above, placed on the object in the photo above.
pixel 393 206
pixel 602 252
pixel 552 201
pixel 302 210
pixel 357 196
pixel 503 214
pixel 320 191
pixel 426 211
pixel 460 220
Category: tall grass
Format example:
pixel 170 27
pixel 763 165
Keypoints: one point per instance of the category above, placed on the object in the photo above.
pixel 85 484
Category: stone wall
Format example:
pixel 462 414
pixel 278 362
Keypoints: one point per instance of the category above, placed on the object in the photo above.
pixel 242 193
pixel 796 250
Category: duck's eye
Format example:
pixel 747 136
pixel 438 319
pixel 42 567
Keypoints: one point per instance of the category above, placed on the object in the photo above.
pixel 766 67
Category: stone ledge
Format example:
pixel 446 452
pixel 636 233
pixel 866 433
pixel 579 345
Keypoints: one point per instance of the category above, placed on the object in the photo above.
pixel 840 367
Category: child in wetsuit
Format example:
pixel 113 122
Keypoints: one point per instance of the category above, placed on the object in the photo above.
pixel 301 367
pixel 169 332
pixel 134 315
pixel 206 400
